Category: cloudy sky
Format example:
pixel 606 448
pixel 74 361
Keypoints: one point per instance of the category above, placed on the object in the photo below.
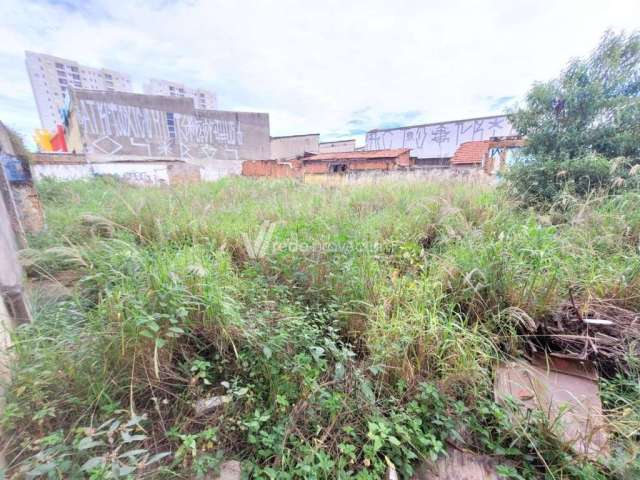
pixel 338 68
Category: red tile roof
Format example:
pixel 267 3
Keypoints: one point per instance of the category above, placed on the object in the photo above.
pixel 470 152
pixel 390 153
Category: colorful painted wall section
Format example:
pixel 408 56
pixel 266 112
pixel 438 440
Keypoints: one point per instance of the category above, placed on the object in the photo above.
pixel 439 140
pixel 113 123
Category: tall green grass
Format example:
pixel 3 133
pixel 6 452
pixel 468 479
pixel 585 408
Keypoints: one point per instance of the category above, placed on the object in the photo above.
pixel 367 334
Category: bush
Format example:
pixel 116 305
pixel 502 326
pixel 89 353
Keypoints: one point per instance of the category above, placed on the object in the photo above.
pixel 582 128
pixel 541 180
pixel 592 107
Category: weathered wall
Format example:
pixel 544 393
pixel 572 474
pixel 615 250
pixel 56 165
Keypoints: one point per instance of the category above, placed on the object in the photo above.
pixel 152 126
pixel 13 307
pixel 439 140
pixel 311 167
pixel 269 168
pixel 471 175
pixel 6 145
pixel 140 173
pixel 29 206
pixel 10 271
pixel 294 145
pixel 338 146
pixel 183 173
pixel 55 157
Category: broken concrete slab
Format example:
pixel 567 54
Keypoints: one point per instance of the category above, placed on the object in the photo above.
pixel 229 470
pixel 459 465
pixel 566 390
pixel 207 405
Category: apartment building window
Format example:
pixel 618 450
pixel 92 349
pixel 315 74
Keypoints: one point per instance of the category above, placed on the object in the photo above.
pixel 74 69
pixel 62 81
pixel 75 76
pixel 59 65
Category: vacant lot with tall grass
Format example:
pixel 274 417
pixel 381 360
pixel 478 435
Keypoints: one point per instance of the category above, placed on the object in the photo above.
pixel 341 329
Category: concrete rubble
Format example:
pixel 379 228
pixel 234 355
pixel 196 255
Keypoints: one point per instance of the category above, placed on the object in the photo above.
pixel 209 404
pixel 229 470
pixel 459 465
pixel 566 391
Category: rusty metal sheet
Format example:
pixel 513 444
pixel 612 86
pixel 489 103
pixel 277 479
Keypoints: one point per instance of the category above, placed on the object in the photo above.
pixel 566 390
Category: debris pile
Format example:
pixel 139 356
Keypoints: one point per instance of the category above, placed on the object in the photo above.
pixel 598 331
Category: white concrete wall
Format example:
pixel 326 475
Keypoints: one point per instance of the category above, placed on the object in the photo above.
pixel 147 173
pixel 439 140
pixel 338 146
pixel 162 127
pixel 293 146
pixel 215 169
pixel 445 174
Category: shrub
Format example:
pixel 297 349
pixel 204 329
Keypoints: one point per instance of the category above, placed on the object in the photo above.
pixel 592 107
pixel 543 180
pixel 582 128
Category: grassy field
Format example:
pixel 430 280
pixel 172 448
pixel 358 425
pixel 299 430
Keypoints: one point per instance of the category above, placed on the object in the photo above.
pixel 364 332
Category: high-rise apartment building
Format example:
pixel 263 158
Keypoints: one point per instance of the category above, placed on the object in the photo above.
pixel 202 99
pixel 51 77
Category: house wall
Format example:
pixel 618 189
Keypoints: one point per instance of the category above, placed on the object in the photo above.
pixel 293 146
pixel 55 157
pixel 309 166
pixel 466 175
pixel 439 140
pixel 29 207
pixel 269 168
pixel 111 124
pixel 338 146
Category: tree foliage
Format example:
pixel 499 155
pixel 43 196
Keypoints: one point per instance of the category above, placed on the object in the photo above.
pixel 592 107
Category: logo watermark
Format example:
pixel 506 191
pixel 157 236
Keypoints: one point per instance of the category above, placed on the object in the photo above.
pixel 263 244
pixel 259 247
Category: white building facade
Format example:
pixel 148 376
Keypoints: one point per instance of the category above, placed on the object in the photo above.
pixel 51 77
pixel 439 140
pixel 202 99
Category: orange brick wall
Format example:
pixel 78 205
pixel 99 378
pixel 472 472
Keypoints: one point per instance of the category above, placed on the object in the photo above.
pixel 267 168
pixel 309 166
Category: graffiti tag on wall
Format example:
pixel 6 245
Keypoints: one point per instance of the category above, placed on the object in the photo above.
pixel 110 128
pixel 439 140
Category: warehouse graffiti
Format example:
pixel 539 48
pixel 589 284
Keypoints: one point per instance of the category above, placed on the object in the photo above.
pixel 439 140
pixel 107 124
pixel 152 132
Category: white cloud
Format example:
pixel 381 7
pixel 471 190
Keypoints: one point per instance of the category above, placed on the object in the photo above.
pixel 330 67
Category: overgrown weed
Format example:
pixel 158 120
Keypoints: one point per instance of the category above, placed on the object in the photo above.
pixel 366 334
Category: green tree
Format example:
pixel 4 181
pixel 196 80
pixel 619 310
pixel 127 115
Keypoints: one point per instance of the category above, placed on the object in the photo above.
pixel 592 107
